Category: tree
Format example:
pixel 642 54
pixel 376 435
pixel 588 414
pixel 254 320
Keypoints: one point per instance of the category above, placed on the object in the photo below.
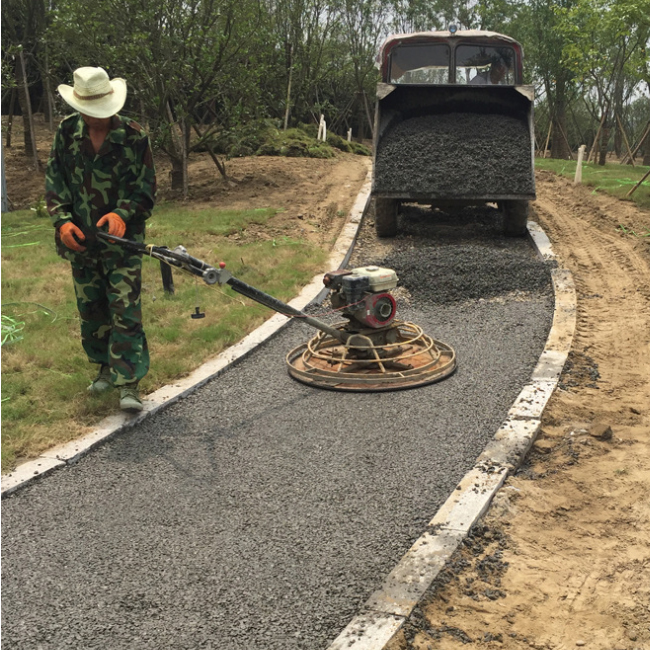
pixel 604 40
pixel 179 57
pixel 540 25
pixel 23 26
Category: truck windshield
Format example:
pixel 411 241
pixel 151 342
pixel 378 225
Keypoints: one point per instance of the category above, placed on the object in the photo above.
pixel 420 64
pixel 485 65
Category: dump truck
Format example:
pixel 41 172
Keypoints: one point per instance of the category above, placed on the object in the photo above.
pixel 453 126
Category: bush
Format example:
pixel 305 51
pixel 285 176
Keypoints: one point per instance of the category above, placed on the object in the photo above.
pixel 266 138
pixel 294 143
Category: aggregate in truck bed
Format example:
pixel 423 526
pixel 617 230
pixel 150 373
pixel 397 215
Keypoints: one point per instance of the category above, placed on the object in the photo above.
pixel 459 155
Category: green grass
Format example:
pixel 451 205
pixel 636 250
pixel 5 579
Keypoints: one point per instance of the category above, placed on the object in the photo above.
pixel 611 178
pixel 44 370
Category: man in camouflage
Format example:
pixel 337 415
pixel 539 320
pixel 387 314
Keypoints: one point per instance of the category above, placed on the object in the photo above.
pixel 101 173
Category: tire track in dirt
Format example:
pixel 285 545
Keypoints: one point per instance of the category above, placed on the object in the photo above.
pixel 568 537
pixel 612 276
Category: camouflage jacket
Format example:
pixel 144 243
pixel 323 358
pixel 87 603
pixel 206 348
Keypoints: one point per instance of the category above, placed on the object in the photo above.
pixel 81 186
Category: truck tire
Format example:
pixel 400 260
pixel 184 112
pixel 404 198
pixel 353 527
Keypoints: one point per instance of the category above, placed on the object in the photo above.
pixel 385 217
pixel 515 218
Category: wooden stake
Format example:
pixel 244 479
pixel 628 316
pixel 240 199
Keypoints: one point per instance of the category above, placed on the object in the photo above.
pixel 638 184
pixel 595 142
pixel 566 140
pixel 642 140
pixel 215 160
pixel 627 144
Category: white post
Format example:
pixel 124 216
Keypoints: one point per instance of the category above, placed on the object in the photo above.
pixel 324 130
pixel 349 135
pixel 320 128
pixel 578 177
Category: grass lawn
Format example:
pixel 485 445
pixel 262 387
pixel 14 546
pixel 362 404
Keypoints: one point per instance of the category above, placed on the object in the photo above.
pixel 612 178
pixel 44 369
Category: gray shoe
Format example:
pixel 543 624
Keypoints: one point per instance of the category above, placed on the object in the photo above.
pixel 102 382
pixel 130 399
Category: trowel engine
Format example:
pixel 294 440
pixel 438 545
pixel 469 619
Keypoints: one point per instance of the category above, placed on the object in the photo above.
pixel 361 294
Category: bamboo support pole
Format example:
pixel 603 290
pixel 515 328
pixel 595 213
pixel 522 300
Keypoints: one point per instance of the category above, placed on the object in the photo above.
pixel 595 142
pixel 639 144
pixel 634 189
pixel 627 144
pixel 566 139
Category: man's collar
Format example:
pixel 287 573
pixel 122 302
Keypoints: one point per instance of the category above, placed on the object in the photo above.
pixel 116 134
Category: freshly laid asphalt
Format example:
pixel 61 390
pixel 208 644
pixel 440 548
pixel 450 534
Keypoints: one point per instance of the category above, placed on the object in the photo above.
pixel 259 512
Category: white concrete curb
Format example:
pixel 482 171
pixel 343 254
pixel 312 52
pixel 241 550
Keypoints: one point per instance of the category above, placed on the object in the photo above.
pixel 387 609
pixel 71 452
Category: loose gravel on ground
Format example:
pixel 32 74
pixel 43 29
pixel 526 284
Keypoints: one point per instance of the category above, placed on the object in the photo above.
pixel 262 513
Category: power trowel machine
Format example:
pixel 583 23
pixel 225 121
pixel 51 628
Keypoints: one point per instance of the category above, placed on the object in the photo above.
pixel 370 351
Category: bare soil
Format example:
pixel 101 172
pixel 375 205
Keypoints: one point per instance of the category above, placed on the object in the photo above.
pixel 314 195
pixel 562 560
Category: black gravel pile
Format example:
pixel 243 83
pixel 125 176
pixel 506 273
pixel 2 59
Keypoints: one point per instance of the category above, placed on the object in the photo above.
pixel 456 155
pixel 457 273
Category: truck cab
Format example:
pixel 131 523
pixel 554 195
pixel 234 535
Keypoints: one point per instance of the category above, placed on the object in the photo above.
pixel 453 126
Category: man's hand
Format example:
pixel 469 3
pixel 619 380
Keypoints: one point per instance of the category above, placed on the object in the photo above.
pixel 68 233
pixel 116 225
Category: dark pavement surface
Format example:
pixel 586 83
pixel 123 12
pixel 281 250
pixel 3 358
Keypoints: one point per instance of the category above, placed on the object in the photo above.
pixel 259 512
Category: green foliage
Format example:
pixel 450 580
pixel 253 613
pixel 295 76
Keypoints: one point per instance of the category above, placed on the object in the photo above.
pixel 266 138
pixel 349 147
pixel 294 143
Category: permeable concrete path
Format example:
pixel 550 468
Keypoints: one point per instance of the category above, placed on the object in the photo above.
pixel 258 512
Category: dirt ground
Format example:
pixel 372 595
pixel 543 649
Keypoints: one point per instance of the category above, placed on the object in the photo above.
pixel 562 559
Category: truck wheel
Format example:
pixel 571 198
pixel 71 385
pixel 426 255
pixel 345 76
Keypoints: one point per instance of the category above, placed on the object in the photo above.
pixel 515 218
pixel 386 217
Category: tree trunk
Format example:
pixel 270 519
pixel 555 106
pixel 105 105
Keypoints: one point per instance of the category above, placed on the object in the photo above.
pixel 48 104
pixel 559 146
pixel 176 172
pixel 177 155
pixel 28 118
pixel 6 204
pixel 287 109
pixel 618 110
pixel 361 117
pixel 646 150
pixel 10 118
pixel 604 141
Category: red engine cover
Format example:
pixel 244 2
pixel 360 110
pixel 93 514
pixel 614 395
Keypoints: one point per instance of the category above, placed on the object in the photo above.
pixel 378 310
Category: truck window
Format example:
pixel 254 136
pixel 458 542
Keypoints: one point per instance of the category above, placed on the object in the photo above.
pixel 485 65
pixel 420 64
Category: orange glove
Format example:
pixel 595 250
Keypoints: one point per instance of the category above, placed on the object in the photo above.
pixel 116 225
pixel 68 233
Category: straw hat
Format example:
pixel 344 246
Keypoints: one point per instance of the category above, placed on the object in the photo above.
pixel 94 94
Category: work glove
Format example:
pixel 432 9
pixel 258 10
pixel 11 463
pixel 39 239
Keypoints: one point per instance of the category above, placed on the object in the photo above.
pixel 116 225
pixel 68 233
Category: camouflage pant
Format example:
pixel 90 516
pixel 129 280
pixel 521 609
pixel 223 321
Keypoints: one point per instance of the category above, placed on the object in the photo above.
pixel 108 300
